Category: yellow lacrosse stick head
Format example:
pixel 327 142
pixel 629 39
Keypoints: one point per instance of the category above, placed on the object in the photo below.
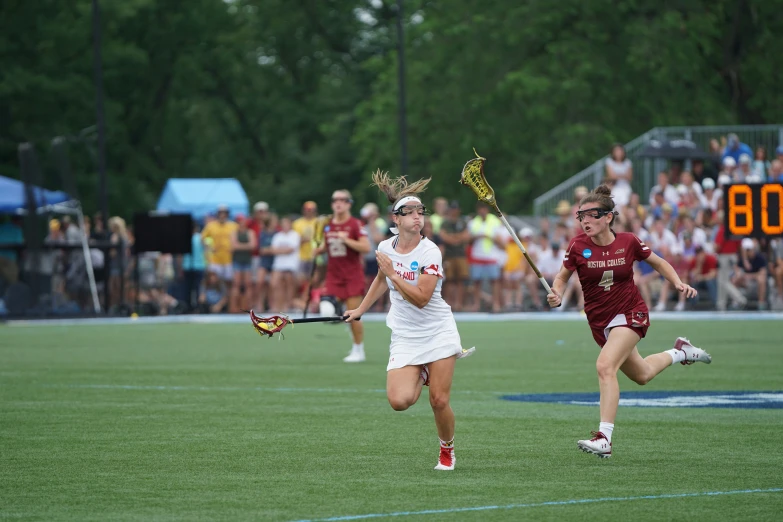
pixel 473 177
pixel 320 227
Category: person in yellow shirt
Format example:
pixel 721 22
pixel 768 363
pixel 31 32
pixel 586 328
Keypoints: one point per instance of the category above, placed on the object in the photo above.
pixel 217 237
pixel 305 227
pixel 513 273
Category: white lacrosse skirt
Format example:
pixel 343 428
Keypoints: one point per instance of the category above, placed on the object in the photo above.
pixel 411 351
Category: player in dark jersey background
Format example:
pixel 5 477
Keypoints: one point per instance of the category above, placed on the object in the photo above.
pixel 615 310
pixel 345 243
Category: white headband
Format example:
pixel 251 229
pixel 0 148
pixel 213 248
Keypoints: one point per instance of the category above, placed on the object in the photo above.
pixel 405 200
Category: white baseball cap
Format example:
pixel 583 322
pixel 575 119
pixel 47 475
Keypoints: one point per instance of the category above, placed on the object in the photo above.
pixel 708 183
pixel 744 158
pixel 261 206
pixel 724 179
pixel 747 244
pixel 728 161
pixel 526 232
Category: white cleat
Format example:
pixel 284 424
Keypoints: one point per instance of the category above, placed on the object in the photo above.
pixel 425 375
pixel 692 354
pixel 598 445
pixel 466 353
pixel 446 459
pixel 354 357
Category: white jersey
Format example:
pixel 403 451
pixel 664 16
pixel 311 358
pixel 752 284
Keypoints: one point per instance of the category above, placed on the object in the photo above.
pixel 404 318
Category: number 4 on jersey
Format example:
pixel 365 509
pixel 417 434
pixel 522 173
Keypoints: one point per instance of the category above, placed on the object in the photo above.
pixel 607 280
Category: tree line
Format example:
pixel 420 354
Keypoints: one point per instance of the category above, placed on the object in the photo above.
pixel 298 97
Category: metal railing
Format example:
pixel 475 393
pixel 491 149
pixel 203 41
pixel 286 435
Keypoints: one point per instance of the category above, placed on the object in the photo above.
pixel 645 170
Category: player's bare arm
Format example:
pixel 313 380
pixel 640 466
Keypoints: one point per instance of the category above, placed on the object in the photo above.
pixel 377 289
pixel 419 295
pixel 663 267
pixel 558 286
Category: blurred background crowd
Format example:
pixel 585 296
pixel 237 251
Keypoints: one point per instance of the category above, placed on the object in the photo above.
pixel 264 260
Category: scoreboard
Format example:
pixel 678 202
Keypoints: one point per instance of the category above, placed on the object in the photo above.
pixel 753 209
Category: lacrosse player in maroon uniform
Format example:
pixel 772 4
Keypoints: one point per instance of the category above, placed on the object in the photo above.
pixel 345 242
pixel 615 310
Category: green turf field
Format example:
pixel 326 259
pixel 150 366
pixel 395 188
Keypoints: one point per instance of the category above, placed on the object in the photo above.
pixel 212 422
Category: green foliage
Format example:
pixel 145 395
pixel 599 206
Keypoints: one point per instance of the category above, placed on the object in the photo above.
pixel 296 98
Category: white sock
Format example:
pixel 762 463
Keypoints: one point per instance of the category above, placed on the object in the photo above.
pixel 357 348
pixel 677 355
pixel 606 428
pixel 447 444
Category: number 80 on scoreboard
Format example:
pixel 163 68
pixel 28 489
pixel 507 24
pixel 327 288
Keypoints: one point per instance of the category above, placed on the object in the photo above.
pixel 753 209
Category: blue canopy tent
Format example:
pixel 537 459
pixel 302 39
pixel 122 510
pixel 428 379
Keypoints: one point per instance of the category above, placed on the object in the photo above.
pixel 200 197
pixel 13 200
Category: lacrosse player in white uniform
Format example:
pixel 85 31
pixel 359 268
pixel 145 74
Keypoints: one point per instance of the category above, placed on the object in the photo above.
pixel 425 342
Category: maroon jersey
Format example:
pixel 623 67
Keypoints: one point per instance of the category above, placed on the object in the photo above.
pixel 606 275
pixel 345 264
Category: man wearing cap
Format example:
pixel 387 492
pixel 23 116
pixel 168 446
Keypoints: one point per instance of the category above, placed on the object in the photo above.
pixel 752 267
pixel 743 173
pixel 455 236
pixel 257 224
pixel 488 254
pixel 776 171
pixel 734 148
pixel 710 196
pixel 220 232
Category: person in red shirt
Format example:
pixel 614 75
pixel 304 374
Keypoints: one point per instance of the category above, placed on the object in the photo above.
pixel 345 243
pixel 727 250
pixel 703 272
pixel 616 312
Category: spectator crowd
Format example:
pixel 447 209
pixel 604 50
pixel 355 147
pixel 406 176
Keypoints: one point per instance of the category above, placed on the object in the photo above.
pixel 265 261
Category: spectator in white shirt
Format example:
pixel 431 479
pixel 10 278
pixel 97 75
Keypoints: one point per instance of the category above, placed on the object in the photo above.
pixel 285 247
pixel 670 195
pixel 711 195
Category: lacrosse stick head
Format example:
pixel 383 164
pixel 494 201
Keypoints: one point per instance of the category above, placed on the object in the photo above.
pixel 473 177
pixel 320 229
pixel 268 326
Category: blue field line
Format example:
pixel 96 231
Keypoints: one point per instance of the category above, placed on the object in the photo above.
pixel 543 504
pixel 376 317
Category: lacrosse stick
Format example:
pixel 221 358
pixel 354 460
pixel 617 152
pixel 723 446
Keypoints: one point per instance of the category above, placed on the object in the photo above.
pixel 473 177
pixel 275 323
pixel 318 239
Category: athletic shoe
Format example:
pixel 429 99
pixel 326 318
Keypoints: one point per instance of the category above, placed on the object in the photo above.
pixel 446 459
pixel 598 445
pixel 354 357
pixel 466 353
pixel 692 354
pixel 425 375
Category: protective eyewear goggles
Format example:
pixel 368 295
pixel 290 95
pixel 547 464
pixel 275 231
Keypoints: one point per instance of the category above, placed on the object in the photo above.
pixel 410 209
pixel 594 213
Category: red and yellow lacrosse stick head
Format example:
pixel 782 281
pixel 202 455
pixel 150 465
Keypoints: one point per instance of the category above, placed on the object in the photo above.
pixel 473 177
pixel 269 325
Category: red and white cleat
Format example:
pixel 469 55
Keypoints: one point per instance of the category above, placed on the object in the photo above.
pixel 446 459
pixel 598 445
pixel 692 354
